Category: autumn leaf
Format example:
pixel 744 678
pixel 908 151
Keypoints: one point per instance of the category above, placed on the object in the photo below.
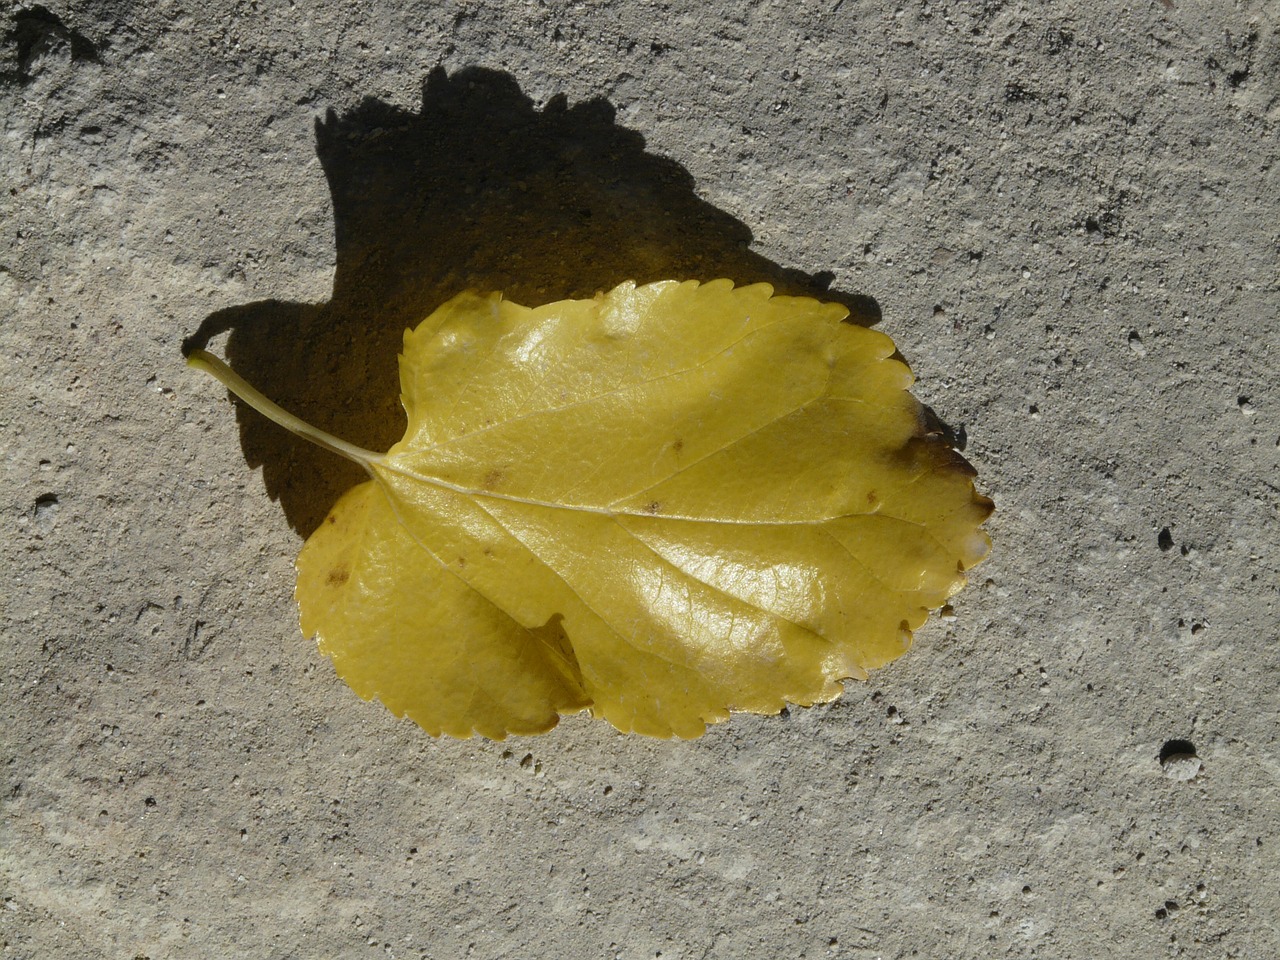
pixel 662 504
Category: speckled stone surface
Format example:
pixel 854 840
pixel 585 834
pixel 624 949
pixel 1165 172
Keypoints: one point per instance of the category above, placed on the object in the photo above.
pixel 1065 217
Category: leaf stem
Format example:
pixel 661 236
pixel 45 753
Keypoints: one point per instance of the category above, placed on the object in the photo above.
pixel 203 360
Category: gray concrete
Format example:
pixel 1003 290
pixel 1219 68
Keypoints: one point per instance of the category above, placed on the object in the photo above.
pixel 1066 216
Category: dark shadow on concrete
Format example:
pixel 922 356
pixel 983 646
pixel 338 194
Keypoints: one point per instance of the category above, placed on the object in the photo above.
pixel 479 190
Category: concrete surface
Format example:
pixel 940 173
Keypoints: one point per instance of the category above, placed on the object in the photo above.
pixel 1065 215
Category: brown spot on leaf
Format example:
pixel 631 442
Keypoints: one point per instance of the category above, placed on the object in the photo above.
pixel 492 479
pixel 678 445
pixel 338 577
pixel 653 506
pixel 872 499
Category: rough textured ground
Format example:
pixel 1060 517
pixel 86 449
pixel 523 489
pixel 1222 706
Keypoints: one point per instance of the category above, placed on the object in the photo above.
pixel 1068 221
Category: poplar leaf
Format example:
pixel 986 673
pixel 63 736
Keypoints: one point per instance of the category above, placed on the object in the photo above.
pixel 662 504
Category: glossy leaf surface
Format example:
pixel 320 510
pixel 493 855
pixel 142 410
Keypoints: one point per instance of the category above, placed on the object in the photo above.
pixel 662 504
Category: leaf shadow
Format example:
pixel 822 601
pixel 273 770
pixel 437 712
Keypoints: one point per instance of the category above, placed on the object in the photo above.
pixel 478 190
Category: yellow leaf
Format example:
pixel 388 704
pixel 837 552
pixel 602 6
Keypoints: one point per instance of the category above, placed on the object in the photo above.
pixel 662 504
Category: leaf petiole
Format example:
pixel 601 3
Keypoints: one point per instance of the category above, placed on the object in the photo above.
pixel 203 360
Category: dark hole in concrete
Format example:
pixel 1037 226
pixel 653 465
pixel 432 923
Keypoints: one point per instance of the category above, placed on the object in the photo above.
pixel 1176 748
